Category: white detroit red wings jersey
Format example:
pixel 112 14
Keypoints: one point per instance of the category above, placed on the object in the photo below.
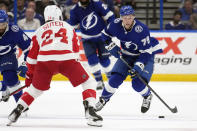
pixel 54 41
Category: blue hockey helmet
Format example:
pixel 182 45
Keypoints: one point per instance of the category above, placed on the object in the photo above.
pixel 3 16
pixel 126 10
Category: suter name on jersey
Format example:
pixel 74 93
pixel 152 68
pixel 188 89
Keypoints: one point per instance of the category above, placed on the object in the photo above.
pixel 53 23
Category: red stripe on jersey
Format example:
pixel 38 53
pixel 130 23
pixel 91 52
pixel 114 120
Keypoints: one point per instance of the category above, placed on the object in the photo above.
pixel 33 53
pixel 75 41
pixel 54 52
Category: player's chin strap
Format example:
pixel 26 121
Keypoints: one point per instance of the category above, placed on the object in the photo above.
pixel 10 94
pixel 173 110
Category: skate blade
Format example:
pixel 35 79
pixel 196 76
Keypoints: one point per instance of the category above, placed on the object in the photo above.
pixel 95 123
pixel 9 123
pixel 24 114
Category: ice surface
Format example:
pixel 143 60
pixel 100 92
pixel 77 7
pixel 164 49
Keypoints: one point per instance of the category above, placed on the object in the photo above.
pixel 61 108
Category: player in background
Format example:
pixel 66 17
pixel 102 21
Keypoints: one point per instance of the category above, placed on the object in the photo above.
pixel 92 16
pixel 55 49
pixel 137 48
pixel 11 36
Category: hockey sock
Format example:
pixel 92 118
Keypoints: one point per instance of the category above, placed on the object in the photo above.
pixel 140 87
pixel 108 74
pixel 2 86
pixel 106 95
pixel 98 76
pixel 27 98
pixel 88 93
pixel 90 96
pixel 18 95
pixel 147 93
pixel 105 62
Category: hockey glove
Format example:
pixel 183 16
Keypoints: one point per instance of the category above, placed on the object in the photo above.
pixel 137 68
pixel 28 80
pixel 113 49
pixel 22 69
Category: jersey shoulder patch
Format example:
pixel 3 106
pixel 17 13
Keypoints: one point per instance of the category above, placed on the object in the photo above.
pixel 138 28
pixel 117 20
pixel 14 28
pixel 141 27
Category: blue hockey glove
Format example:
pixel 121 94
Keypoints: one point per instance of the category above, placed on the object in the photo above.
pixel 22 69
pixel 137 68
pixel 113 49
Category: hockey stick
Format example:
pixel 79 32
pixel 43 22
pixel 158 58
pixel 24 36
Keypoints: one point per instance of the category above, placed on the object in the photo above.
pixel 19 89
pixel 173 110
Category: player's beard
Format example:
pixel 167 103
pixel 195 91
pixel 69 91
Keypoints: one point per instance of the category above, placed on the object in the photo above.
pixel 2 31
pixel 86 3
pixel 3 27
pixel 129 27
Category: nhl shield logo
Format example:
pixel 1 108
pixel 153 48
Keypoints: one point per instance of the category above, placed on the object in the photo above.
pixel 138 29
pixel 14 28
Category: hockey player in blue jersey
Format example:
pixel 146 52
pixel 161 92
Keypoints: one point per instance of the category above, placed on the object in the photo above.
pixel 10 37
pixel 92 16
pixel 137 48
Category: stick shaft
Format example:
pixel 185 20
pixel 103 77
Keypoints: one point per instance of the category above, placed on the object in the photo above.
pixel 19 89
pixel 173 110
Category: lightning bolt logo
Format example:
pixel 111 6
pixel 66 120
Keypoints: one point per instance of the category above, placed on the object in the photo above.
pixel 89 21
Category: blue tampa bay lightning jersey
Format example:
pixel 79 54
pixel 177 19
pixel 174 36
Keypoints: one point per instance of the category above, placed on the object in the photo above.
pixel 136 42
pixel 92 19
pixel 12 38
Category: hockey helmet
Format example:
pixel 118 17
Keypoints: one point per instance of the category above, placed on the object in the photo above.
pixel 52 12
pixel 126 10
pixel 3 16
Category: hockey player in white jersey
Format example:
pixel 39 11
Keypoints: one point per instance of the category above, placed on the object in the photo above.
pixel 55 48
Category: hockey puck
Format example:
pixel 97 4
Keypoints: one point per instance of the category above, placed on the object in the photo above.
pixel 161 116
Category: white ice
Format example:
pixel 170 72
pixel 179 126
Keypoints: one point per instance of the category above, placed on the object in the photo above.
pixel 61 108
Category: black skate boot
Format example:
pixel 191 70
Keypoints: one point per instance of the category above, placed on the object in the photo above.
pixel 91 116
pixel 15 114
pixel 100 85
pixel 146 103
pixel 5 95
pixel 100 104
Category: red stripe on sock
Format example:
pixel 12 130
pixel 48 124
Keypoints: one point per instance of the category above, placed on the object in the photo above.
pixel 89 93
pixel 27 98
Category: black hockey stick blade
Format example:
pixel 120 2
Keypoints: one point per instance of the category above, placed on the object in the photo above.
pixel 174 110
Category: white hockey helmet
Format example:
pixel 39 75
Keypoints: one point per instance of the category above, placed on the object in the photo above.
pixel 52 12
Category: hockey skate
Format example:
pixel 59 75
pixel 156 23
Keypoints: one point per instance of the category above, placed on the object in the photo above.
pixel 146 103
pixel 100 104
pixel 5 95
pixel 91 116
pixel 100 85
pixel 15 114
